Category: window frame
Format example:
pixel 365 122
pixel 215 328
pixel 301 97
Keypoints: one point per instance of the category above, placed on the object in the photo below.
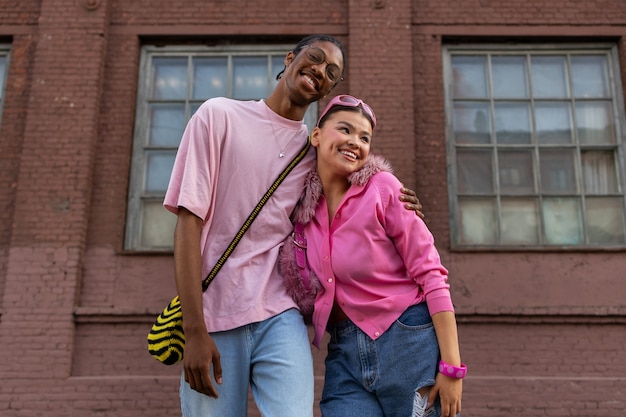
pixel 616 96
pixel 140 145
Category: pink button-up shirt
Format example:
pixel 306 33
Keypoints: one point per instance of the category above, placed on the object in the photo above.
pixel 375 258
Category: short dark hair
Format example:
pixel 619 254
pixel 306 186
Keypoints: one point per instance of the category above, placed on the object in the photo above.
pixel 316 38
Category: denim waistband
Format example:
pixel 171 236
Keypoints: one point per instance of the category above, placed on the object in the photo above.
pixel 341 328
pixel 345 327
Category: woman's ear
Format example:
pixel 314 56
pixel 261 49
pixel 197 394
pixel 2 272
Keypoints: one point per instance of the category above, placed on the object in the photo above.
pixel 315 136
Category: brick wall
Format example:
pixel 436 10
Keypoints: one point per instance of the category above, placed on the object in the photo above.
pixel 542 333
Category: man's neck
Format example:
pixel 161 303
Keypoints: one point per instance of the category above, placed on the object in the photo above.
pixel 281 103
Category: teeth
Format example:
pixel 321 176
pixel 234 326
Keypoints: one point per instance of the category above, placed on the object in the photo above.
pixel 349 154
pixel 309 80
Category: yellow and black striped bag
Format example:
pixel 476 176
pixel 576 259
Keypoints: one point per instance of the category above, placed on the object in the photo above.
pixel 166 339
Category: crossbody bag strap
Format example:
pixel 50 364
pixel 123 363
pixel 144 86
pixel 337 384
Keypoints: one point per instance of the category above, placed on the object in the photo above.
pixel 255 212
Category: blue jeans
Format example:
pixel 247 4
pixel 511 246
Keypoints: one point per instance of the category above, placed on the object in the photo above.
pixel 273 357
pixel 376 378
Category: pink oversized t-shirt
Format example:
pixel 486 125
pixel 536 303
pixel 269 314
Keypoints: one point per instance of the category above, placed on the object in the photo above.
pixel 227 159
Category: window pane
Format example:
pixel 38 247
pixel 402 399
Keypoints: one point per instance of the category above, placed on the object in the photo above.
pixel 474 171
pixel 520 224
pixel 250 77
pixel 605 220
pixel 512 123
pixel 594 123
pixel 563 221
pixel 472 122
pixel 170 78
pixel 590 76
pixel 3 70
pixel 167 123
pixel 549 76
pixel 210 77
pixel 558 174
pixel 159 166
pixel 478 222
pixel 553 123
pixel 193 107
pixel 509 77
pixel 157 226
pixel 599 172
pixel 516 172
pixel 469 76
pixel 278 63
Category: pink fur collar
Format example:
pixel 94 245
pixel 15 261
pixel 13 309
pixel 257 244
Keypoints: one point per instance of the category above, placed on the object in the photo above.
pixel 305 209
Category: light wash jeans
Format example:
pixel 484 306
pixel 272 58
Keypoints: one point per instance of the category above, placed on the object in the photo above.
pixel 376 378
pixel 273 357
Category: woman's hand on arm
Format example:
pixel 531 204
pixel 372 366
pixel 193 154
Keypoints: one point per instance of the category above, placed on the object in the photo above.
pixel 200 349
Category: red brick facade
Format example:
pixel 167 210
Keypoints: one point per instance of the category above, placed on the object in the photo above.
pixel 543 333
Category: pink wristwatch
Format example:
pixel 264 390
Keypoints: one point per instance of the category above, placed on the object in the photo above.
pixel 457 372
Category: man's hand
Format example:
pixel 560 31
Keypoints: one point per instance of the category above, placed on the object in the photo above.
pixel 200 353
pixel 412 202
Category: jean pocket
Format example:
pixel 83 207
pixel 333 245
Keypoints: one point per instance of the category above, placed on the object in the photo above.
pixel 416 317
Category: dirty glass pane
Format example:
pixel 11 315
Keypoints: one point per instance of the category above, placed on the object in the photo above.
pixel 210 77
pixel 605 220
pixel 549 76
pixel 512 123
pixel 474 171
pixel 478 222
pixel 599 172
pixel 167 123
pixel 553 123
pixel 469 76
pixel 472 122
pixel 169 78
pixel 509 77
pixel 157 225
pixel 563 221
pixel 590 76
pixel 278 63
pixel 3 70
pixel 594 123
pixel 516 172
pixel 159 166
pixel 558 174
pixel 519 221
pixel 250 77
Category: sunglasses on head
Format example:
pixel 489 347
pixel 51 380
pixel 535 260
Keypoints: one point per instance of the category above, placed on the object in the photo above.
pixel 349 101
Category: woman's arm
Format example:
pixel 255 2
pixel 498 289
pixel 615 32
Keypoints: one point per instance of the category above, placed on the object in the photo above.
pixel 449 389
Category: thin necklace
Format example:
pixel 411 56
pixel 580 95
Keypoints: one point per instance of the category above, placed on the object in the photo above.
pixel 282 148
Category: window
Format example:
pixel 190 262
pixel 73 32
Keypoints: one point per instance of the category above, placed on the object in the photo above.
pixel 535 146
pixel 4 66
pixel 174 82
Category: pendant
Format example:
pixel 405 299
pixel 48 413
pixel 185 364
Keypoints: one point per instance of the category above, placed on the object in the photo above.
pixel 282 154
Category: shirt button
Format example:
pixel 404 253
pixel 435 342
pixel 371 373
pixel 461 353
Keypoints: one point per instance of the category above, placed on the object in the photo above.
pixel 377 334
pixel 330 280
pixel 338 216
pixel 325 258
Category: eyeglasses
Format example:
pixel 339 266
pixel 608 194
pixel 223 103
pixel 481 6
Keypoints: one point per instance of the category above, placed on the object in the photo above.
pixel 348 101
pixel 317 56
